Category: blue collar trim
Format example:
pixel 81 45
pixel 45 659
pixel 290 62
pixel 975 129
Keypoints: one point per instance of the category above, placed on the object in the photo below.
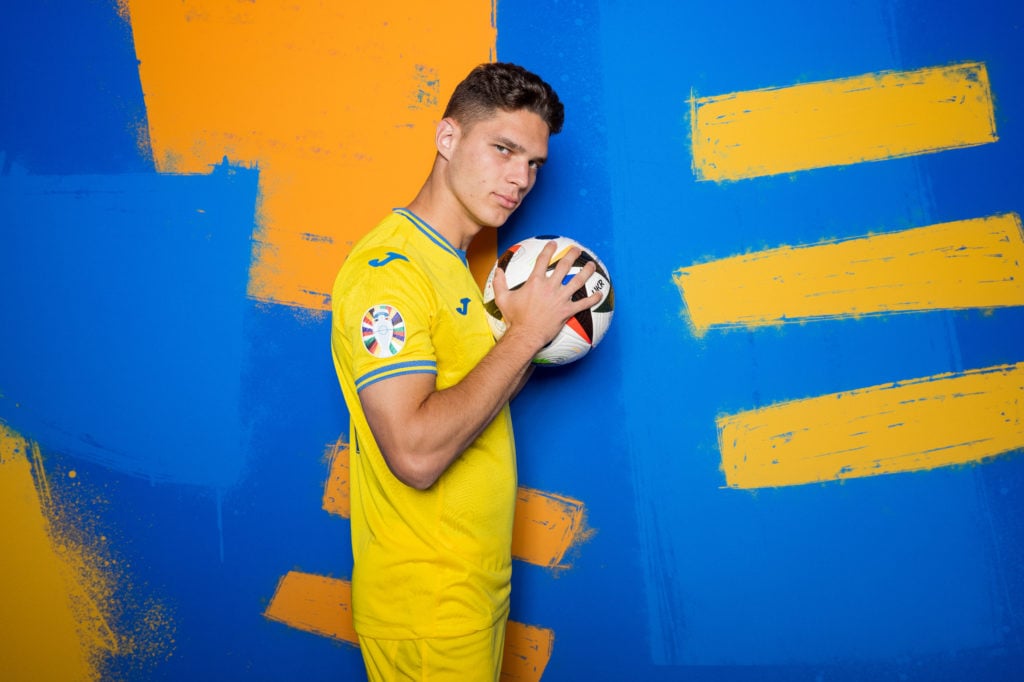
pixel 432 234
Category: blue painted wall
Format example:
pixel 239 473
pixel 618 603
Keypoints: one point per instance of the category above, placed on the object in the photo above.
pixel 130 353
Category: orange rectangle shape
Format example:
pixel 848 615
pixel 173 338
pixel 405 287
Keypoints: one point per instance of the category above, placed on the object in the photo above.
pixel 336 492
pixel 527 652
pixel 546 525
pixel 316 604
pixel 977 263
pixel 935 421
pixel 872 117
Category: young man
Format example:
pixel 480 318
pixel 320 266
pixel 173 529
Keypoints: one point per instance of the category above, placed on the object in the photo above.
pixel 433 472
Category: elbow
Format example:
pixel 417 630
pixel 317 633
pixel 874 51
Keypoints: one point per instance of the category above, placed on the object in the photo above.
pixel 417 481
pixel 413 469
pixel 421 485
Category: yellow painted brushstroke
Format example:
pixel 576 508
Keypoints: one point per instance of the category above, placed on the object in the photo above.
pixel 976 263
pixel 872 117
pixel 935 421
pixel 335 102
pixel 61 588
pixel 41 636
pixel 323 606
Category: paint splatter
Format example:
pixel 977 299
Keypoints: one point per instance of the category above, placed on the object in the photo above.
pixel 70 609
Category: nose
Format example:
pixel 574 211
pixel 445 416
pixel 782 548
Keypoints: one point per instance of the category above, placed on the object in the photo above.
pixel 519 173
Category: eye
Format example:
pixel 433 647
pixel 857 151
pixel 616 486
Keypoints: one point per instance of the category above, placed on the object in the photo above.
pixel 503 150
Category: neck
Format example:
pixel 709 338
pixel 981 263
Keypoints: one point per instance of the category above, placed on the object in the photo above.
pixel 436 205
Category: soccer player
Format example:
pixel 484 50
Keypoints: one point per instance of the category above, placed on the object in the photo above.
pixel 433 470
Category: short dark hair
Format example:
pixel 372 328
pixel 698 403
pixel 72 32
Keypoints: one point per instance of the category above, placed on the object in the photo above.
pixel 509 87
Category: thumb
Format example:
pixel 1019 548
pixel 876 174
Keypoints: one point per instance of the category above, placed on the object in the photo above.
pixel 499 283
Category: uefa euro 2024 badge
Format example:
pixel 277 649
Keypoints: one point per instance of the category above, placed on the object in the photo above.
pixel 383 331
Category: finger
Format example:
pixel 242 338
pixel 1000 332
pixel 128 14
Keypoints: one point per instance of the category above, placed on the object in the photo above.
pixel 499 282
pixel 588 302
pixel 580 278
pixel 566 262
pixel 540 266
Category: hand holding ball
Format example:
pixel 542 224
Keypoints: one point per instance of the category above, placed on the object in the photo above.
pixel 581 332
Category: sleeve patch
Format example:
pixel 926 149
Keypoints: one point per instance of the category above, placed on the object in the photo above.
pixel 383 331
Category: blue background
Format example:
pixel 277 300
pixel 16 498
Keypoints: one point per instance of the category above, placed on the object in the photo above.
pixel 131 354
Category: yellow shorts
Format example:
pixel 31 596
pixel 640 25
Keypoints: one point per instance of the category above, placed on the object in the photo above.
pixel 475 657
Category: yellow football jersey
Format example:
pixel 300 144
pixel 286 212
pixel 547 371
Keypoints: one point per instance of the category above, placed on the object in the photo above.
pixel 434 563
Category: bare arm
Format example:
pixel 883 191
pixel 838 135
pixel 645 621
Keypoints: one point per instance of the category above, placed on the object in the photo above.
pixel 421 430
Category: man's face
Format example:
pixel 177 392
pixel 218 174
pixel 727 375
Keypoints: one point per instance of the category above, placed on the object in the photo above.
pixel 493 164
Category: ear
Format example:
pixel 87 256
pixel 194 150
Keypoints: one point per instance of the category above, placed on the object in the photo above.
pixel 446 136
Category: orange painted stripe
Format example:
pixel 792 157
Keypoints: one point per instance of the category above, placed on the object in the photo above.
pixel 935 421
pixel 316 604
pixel 976 263
pixel 336 491
pixel 323 606
pixel 527 652
pixel 318 96
pixel 872 117
pixel 546 524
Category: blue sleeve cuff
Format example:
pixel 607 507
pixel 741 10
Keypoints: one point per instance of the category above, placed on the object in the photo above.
pixel 397 369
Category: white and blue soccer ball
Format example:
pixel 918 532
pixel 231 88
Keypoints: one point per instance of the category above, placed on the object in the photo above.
pixel 584 330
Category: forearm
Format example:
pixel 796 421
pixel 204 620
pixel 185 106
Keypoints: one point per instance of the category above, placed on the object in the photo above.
pixel 420 430
pixel 435 430
pixel 456 416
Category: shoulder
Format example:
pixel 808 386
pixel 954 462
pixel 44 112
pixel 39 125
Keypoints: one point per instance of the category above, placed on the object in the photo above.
pixel 386 272
pixel 384 249
pixel 385 261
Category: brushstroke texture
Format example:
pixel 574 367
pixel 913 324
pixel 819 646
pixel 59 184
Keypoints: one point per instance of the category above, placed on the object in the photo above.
pixel 40 627
pixel 965 264
pixel 876 116
pixel 914 425
pixel 128 295
pixel 319 95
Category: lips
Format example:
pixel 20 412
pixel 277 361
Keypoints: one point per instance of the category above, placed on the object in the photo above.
pixel 507 202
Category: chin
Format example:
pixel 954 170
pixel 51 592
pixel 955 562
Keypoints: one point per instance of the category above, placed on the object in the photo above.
pixel 502 217
pixel 495 220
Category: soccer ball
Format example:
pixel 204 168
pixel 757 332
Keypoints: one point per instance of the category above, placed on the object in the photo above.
pixel 584 330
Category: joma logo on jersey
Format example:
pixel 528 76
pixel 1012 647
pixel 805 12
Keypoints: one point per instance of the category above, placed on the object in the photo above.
pixel 464 307
pixel 390 256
